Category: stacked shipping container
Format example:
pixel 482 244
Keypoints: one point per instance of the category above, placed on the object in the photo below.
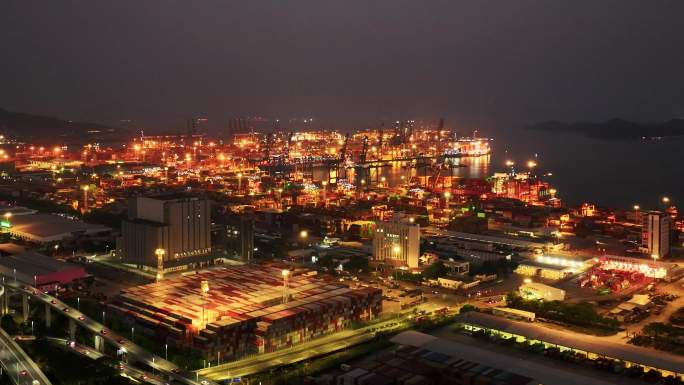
pixel 243 311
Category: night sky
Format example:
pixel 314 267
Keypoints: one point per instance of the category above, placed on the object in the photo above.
pixel 492 64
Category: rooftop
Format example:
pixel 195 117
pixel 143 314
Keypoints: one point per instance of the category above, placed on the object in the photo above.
pixel 48 225
pixel 242 292
pixel 32 263
pixel 601 346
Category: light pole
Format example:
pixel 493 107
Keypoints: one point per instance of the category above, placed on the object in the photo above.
pixel 78 303
pixel 286 275
pixel 85 198
pixel 7 223
pixel 666 203
pixel 166 351
pixel 655 260
pixel 132 333
pixel 510 164
pixel 636 213
pixel 103 318
pixel 160 263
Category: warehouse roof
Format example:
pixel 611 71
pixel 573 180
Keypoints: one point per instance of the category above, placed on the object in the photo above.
pixel 578 341
pixel 495 239
pixel 412 338
pixel 47 227
pixel 32 263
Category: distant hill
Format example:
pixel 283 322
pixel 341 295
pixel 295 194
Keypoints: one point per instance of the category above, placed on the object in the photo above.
pixel 616 129
pixel 28 126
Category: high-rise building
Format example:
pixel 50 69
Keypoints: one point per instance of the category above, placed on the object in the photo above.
pixel 397 244
pixel 175 227
pixel 655 233
pixel 234 236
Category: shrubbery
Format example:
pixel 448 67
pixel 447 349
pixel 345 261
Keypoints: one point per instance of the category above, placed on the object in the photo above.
pixel 582 314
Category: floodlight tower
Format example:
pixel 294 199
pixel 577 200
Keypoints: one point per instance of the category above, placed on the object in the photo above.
pixel 286 294
pixel 204 288
pixel 160 263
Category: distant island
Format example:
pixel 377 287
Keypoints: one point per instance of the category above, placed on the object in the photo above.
pixel 616 129
pixel 37 128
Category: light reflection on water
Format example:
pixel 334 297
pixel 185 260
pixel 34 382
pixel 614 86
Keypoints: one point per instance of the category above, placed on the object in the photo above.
pixel 612 173
pixel 472 167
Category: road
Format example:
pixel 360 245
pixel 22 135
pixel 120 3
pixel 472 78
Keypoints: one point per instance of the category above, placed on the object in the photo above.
pixel 165 367
pixel 19 366
pixel 77 348
pixel 126 370
pixel 300 352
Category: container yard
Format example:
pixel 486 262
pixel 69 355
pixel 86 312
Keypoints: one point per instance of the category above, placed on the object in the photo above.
pixel 238 310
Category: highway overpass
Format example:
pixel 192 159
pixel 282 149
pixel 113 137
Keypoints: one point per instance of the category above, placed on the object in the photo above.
pixel 17 364
pixel 103 333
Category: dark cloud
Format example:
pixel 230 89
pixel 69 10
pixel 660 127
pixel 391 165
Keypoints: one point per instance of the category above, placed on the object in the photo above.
pixel 478 63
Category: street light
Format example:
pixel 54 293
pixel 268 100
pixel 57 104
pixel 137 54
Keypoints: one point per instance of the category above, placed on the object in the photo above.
pixel 7 223
pixel 85 197
pixel 132 333
pixel 527 280
pixel 78 303
pixel 286 275
pixel 166 351
pixel 636 213
pixel 159 252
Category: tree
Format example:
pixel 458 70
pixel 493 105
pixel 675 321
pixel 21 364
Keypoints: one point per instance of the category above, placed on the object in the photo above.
pixel 8 324
pixel 655 329
pixel 435 270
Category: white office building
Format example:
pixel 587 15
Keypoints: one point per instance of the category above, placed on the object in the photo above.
pixel 396 243
pixel 655 233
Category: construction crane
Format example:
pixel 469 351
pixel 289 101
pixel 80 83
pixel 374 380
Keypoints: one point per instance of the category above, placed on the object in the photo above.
pixel 364 150
pixel 343 151
pixel 286 151
pixel 361 171
pixel 267 146
pixel 380 135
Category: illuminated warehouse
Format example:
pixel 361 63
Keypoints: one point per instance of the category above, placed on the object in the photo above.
pixel 236 310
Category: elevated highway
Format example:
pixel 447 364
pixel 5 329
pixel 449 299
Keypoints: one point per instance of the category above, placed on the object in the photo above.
pixel 19 367
pixel 103 333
